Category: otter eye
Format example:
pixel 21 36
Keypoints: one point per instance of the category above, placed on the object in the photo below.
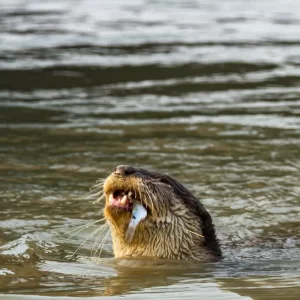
pixel 124 170
pixel 129 171
pixel 163 180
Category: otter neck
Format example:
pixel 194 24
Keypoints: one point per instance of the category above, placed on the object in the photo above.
pixel 161 240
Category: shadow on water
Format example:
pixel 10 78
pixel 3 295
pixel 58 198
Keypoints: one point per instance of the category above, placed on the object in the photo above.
pixel 91 76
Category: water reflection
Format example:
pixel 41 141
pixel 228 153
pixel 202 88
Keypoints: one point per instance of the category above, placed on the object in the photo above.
pixel 205 91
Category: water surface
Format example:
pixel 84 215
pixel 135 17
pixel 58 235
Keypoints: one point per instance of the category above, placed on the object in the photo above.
pixel 206 91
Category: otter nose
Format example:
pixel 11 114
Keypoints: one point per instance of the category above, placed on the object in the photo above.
pixel 124 170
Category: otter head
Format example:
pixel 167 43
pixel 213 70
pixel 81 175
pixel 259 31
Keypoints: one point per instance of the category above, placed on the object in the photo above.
pixel 177 226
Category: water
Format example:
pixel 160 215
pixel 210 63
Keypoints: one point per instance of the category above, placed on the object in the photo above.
pixel 206 91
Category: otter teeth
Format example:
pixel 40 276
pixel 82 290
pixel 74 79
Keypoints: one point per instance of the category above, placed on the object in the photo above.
pixel 123 201
pixel 129 197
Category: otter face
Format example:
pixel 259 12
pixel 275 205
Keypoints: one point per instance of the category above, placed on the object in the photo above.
pixel 176 226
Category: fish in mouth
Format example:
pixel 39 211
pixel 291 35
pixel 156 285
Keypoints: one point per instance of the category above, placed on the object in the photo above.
pixel 152 215
pixel 125 201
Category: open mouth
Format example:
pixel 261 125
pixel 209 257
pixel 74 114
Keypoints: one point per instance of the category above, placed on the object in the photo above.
pixel 121 199
pixel 125 200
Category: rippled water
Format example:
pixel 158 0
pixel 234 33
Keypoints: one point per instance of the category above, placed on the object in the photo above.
pixel 206 91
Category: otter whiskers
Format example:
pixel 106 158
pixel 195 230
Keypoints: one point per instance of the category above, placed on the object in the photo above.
pixel 103 228
pixel 96 191
pixel 82 227
pixel 150 195
pixel 193 232
pixel 88 236
pixel 103 242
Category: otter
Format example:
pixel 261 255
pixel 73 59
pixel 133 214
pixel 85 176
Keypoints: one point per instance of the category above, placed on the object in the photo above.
pixel 176 226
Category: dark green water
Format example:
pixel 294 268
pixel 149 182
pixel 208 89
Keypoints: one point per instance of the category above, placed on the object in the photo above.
pixel 206 91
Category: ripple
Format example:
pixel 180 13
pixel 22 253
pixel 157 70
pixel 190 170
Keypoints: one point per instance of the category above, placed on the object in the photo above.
pixel 205 92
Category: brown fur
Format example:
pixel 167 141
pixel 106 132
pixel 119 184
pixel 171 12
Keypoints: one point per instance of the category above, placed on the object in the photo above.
pixel 177 225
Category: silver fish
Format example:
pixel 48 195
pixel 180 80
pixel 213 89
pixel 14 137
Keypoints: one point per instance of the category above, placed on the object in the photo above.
pixel 139 213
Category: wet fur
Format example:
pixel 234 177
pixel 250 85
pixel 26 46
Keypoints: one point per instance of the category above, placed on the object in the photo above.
pixel 176 227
